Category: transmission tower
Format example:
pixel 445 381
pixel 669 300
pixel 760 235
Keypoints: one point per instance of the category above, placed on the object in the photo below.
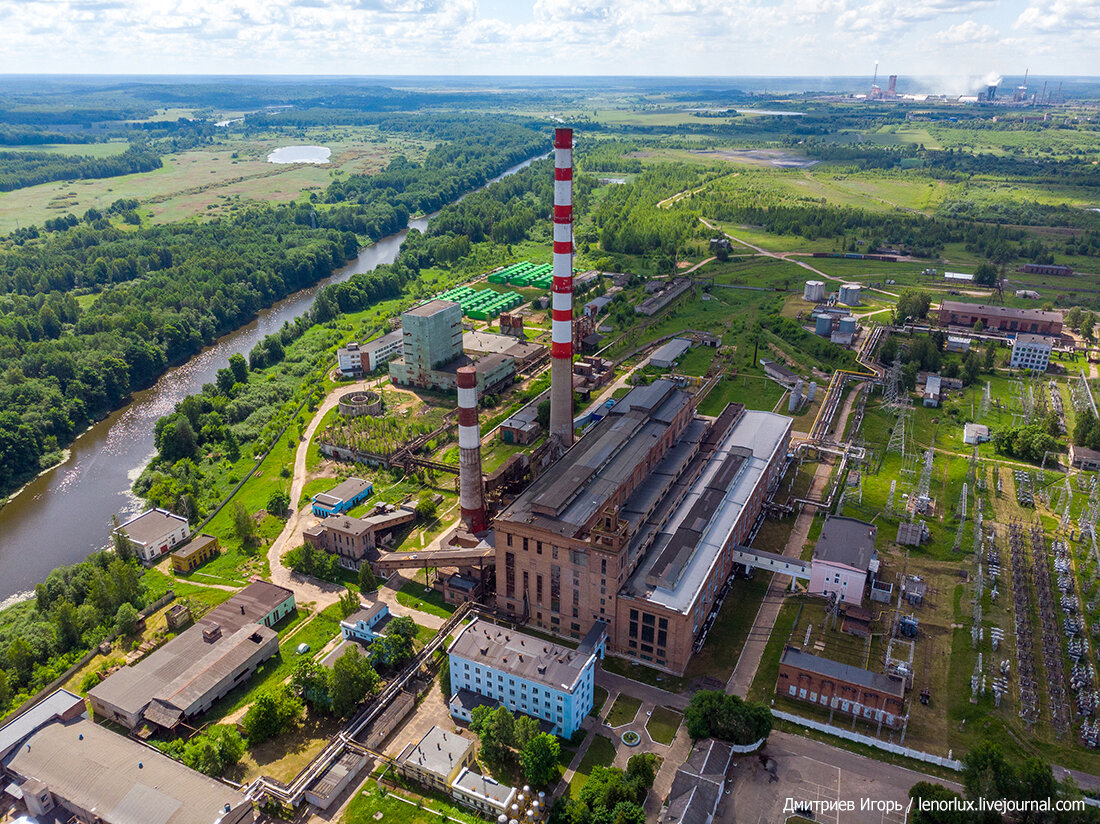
pixel 891 384
pixel 962 518
pixel 890 500
pixel 983 411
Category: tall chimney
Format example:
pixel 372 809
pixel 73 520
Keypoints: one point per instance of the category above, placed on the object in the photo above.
pixel 561 338
pixel 471 496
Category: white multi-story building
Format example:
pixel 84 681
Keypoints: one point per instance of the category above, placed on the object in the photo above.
pixel 552 683
pixel 1031 352
pixel 155 532
pixel 355 358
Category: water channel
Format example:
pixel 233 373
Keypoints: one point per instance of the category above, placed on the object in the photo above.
pixel 65 513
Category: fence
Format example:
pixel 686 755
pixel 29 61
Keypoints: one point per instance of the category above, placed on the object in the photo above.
pixel 870 741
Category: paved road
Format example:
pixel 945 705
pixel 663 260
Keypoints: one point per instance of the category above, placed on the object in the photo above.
pixel 809 770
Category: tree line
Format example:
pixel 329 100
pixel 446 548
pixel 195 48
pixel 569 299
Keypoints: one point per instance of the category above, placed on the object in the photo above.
pixel 21 169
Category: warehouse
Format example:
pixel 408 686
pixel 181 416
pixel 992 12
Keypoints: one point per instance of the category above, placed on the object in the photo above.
pixel 667 355
pixel 1000 318
pixel 200 665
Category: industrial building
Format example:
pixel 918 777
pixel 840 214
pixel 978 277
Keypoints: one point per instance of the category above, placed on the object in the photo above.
pixel 667 355
pixel 63 767
pixel 637 523
pixel 155 532
pixel 1081 457
pixel 844 559
pixel 486 343
pixel 360 625
pixel 1031 352
pixel 354 359
pixel 1056 269
pixel 850 690
pixel 522 428
pixel 932 392
pixel 700 784
pixel 342 497
pixel 194 553
pixel 436 759
pixel 187 675
pixel 431 351
pixel 354 540
pixel 551 683
pixel 975 433
pixel 1000 318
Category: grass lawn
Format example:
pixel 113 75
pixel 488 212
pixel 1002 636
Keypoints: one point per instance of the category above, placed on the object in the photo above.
pixel 371 805
pixel 601 753
pixel 753 391
pixel 763 683
pixel 623 710
pixel 413 595
pixel 662 725
pixel 727 635
pixel 696 361
pixel 646 675
pixel 599 698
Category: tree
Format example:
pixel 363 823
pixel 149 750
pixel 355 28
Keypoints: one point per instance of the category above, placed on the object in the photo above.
pixel 912 304
pixel 243 526
pixel 21 657
pixel 1088 324
pixel 712 713
pixel 123 546
pixel 239 367
pixel 524 730
pixel 986 274
pixel 444 677
pixel 353 679
pixel 642 767
pixel 542 414
pixel 939 794
pixel 278 504
pixel 1074 317
pixel 349 602
pixel 425 507
pixel 367 581
pixel 272 713
pixel 312 681
pixel 628 812
pixel 5 690
pixel 496 730
pixel 979 325
pixel 540 759
pixel 126 619
pixel 66 624
pixel 987 774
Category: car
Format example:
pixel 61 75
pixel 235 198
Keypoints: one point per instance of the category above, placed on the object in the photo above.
pixel 303 648
pixel 610 403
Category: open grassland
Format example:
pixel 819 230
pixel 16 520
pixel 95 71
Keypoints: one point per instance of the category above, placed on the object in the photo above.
pixel 212 180
pixel 109 148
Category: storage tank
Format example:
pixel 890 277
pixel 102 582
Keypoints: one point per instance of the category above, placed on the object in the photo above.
pixel 811 393
pixel 847 325
pixel 823 326
pixel 849 294
pixel 814 290
pixel 796 397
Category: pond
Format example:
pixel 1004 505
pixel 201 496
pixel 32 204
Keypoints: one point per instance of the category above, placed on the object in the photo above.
pixel 300 154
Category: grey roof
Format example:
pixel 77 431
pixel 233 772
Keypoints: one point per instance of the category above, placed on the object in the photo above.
pixel 525 419
pixel 348 764
pixel 344 491
pixel 120 780
pixel 388 339
pixel 959 307
pixel 779 369
pixel 426 310
pixel 190 664
pixel 1029 337
pixel 702 498
pixel 490 342
pixel 484 786
pixel 932 385
pixel 568 498
pixel 438 751
pixel 847 541
pixel 698 784
pixel 365 614
pixel 671 351
pixel 197 544
pixel 1083 452
pixel 516 653
pixel 60 704
pixel 880 682
pixel 151 525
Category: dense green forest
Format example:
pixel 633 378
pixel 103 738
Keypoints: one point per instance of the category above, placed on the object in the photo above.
pixel 19 169
pixel 164 292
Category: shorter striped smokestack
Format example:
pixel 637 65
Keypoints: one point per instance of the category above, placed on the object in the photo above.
pixel 471 495
pixel 561 307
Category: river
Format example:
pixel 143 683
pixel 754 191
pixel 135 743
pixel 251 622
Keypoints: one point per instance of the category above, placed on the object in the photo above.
pixel 65 513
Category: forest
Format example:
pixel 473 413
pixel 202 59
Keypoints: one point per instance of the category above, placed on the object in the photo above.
pixel 161 293
pixel 19 169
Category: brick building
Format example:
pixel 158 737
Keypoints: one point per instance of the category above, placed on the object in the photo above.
pixel 636 524
pixel 843 688
pixel 1000 318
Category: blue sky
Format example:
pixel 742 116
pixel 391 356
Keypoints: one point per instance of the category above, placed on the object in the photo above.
pixel 959 40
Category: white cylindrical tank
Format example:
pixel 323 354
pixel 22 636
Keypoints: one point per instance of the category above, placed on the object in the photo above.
pixel 814 290
pixel 849 294
pixel 811 392
pixel 823 326
pixel 502 819
pixel 796 397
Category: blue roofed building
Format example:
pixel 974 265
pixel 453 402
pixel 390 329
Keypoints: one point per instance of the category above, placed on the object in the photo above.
pixel 342 497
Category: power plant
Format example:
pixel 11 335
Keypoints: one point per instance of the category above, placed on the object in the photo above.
pixel 561 336
pixel 471 493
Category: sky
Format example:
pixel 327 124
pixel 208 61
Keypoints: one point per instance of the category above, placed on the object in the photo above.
pixel 960 41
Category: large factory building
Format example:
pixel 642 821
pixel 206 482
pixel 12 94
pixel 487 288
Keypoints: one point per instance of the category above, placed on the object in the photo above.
pixel 635 525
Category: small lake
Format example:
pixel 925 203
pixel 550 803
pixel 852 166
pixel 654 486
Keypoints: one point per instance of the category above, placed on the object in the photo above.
pixel 300 154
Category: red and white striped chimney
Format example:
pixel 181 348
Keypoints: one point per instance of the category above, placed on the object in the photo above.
pixel 471 495
pixel 561 336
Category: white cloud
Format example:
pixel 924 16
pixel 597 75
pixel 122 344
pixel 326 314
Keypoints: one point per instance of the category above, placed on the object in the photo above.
pixel 1060 16
pixel 967 33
